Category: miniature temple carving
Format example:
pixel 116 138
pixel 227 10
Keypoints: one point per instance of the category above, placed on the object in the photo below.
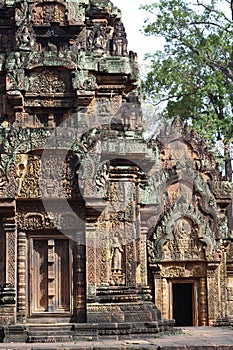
pixel 98 225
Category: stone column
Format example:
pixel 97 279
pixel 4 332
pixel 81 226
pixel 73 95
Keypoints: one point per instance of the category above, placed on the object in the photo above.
pixel 8 292
pixel 80 264
pixel 203 302
pixel 213 293
pixel 165 295
pixel 131 262
pixel 158 289
pixel 22 273
pixel 91 260
pixel 143 257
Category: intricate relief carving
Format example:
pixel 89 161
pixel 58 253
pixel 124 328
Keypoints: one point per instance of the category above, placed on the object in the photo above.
pixel 94 176
pixel 119 40
pixel 152 192
pixel 53 177
pixel 25 36
pixel 97 38
pixel 2 255
pixel 33 217
pixel 102 179
pixel 15 66
pixel 177 271
pixel 49 13
pixel 34 221
pixel 10 232
pixel 184 243
pixel 7 177
pixel 83 80
pixel 49 81
pixel 117 252
pixel 116 257
pixel 76 14
pixel 29 173
pixel 183 235
pixel 222 188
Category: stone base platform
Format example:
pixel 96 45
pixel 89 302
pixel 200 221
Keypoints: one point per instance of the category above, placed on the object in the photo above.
pixel 188 338
pixel 67 332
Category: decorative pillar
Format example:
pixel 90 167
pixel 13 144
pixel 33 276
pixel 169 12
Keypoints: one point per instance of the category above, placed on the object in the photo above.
pixel 51 275
pixel 165 295
pixel 91 260
pixel 22 273
pixel 11 252
pixel 203 302
pixel 81 285
pixel 213 293
pixel 8 291
pixel 131 262
pixel 157 287
pixel 143 257
pixel 2 255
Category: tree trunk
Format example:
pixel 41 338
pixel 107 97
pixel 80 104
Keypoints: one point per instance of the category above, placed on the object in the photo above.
pixel 228 164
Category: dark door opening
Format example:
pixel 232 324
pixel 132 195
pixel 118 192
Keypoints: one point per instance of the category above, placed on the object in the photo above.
pixel 183 303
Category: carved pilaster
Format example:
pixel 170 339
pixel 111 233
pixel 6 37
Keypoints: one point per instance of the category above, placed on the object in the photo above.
pixel 165 295
pixel 81 285
pixel 213 292
pixel 22 276
pixel 203 302
pixel 131 264
pixel 8 291
pixel 91 259
pixel 2 255
pixel 143 257
pixel 158 288
pixel 11 252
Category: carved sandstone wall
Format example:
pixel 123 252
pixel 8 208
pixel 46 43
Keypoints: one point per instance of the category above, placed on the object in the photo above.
pixel 85 201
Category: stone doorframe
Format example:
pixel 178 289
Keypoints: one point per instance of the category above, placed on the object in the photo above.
pixel 167 273
pixel 195 309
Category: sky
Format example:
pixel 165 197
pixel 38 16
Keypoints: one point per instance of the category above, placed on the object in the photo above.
pixel 133 19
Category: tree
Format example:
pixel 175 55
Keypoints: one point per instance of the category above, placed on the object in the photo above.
pixel 193 75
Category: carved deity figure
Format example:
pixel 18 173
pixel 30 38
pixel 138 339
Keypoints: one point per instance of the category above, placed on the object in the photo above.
pixel 182 236
pixel 120 41
pixel 116 257
pixel 97 38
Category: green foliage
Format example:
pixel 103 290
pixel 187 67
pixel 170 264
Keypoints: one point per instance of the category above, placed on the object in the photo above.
pixel 193 75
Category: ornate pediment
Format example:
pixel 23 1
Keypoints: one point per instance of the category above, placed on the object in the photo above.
pixel 184 234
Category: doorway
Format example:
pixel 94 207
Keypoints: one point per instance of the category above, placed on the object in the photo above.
pixel 182 302
pixel 50 276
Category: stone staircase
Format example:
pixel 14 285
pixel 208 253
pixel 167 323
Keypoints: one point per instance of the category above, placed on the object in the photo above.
pixel 50 333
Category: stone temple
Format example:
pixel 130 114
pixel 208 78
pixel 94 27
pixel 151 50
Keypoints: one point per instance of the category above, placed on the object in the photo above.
pixel 101 232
